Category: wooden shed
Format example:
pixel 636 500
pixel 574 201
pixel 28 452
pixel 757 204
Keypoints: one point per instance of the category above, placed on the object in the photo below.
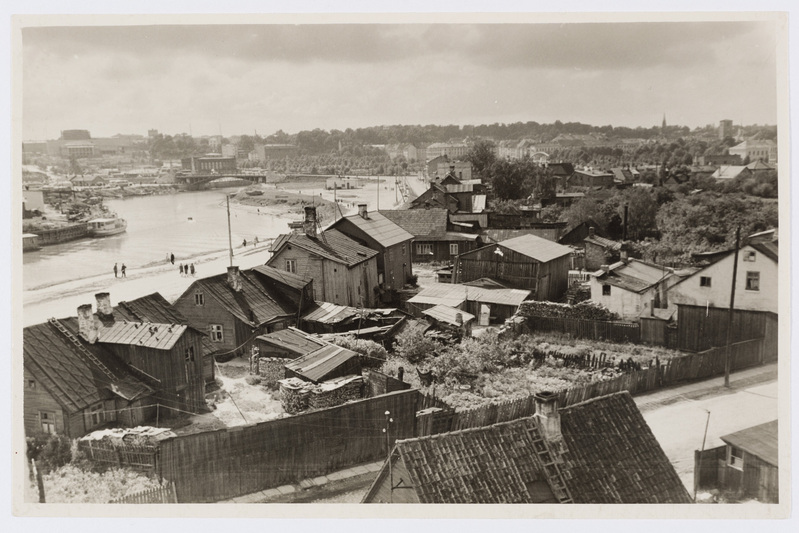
pixel 525 262
pixel 326 363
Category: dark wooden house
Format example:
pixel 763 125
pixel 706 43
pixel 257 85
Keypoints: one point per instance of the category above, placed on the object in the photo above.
pixel 436 196
pixel 326 363
pixel 553 457
pixel 526 262
pixel 434 237
pixel 286 286
pixel 391 242
pixel 234 308
pixel 344 272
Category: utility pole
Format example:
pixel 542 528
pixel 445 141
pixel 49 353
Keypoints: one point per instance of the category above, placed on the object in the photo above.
pixel 727 358
pixel 378 193
pixel 698 473
pixel 389 420
pixel 229 237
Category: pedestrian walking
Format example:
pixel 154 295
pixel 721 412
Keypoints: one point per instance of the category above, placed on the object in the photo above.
pixel 191 267
pixel 167 257
pixel 244 243
pixel 123 270
pixel 181 269
pixel 115 270
pixel 255 243
pixel 172 258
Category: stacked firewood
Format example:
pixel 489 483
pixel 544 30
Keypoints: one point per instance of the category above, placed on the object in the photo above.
pixel 271 369
pixel 294 395
pixel 336 392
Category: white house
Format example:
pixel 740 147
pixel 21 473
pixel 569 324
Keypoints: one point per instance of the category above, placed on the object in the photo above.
pixel 755 284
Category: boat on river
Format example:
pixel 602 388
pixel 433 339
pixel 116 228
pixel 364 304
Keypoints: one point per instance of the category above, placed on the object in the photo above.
pixel 254 193
pixel 103 227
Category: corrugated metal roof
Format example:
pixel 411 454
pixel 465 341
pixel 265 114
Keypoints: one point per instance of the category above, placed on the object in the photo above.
pixel 449 315
pixel 761 441
pixel 728 172
pixel 330 313
pixel 282 276
pixel 453 295
pixel 149 335
pixel 453 188
pixel 538 248
pixel 379 227
pixel 603 242
pixel 294 340
pixel 334 246
pixel 319 363
pixel 500 235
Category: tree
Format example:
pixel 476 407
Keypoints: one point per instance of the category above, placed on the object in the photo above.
pixel 481 156
pixel 583 210
pixel 641 212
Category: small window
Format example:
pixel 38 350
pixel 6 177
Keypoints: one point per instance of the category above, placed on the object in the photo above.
pixel 403 249
pixel 189 355
pixel 735 457
pixel 47 420
pixel 97 414
pixel 424 249
pixel 605 290
pixel 453 249
pixel 753 281
pixel 704 281
pixel 749 255
pixel 31 384
pixel 291 266
pixel 217 334
pixel 199 298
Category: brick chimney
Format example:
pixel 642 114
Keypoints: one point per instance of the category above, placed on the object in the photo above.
pixel 546 410
pixel 591 231
pixel 362 212
pixel 104 304
pixel 234 278
pixel 309 225
pixel 87 327
pixel 604 268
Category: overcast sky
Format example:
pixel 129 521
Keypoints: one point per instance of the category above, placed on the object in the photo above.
pixel 242 78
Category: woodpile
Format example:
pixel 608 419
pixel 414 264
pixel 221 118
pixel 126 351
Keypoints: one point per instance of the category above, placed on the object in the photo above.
pixel 336 392
pixel 271 369
pixel 294 394
pixel 583 310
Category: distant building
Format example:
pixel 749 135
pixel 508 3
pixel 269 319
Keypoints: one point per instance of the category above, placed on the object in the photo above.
pixel 75 135
pixel 451 150
pixel 591 178
pixel 461 170
pixel 201 164
pixel 756 149
pixel 717 160
pixel 725 129
pixel 262 152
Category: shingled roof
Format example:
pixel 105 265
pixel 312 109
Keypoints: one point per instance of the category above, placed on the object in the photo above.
pixel 252 304
pixel 607 454
pixel 73 379
pixel 333 245
pixel 420 223
pixel 377 226
pixel 289 279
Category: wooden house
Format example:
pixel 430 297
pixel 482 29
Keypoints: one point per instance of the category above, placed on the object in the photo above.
pixel 489 301
pixel 434 237
pixel 600 251
pixel 344 272
pixel 391 242
pixel 72 387
pixel 553 457
pixel 287 286
pixel 234 308
pixel 526 262
pixel 591 179
pixel 436 196
pixel 747 465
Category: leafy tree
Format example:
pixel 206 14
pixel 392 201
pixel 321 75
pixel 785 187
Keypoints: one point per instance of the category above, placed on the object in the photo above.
pixel 583 210
pixel 481 156
pixel 641 212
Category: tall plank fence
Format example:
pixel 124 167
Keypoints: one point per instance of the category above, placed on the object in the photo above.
pixel 223 464
pixel 679 369
pixel 587 329
pixel 165 494
pixel 138 457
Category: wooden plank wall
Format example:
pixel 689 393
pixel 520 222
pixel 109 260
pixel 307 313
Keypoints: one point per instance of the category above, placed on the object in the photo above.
pixel 705 327
pixel 223 464
pixel 588 329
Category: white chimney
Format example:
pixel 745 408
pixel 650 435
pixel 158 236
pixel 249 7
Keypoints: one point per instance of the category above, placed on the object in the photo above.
pixel 87 327
pixel 104 304
pixel 234 278
pixel 309 225
pixel 604 268
pixel 591 231
pixel 362 212
pixel 546 410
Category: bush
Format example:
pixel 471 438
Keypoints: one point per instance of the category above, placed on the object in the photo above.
pixel 372 354
pixel 583 310
pixel 413 280
pixel 49 451
pixel 253 380
pixel 414 346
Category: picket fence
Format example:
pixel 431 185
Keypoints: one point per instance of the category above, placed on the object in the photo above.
pixel 165 494
pixel 139 457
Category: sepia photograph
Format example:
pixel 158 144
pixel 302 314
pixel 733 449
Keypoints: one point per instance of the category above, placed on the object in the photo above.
pixel 355 259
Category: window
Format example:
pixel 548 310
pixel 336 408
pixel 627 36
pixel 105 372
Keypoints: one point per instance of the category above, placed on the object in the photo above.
pixel 605 290
pixel 291 266
pixel 403 249
pixel 31 384
pixel 189 355
pixel 424 249
pixel 199 298
pixel 47 420
pixel 749 255
pixel 735 457
pixel 217 334
pixel 453 249
pixel 97 415
pixel 704 281
pixel 753 281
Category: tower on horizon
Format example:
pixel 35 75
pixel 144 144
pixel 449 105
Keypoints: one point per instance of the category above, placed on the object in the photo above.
pixel 663 126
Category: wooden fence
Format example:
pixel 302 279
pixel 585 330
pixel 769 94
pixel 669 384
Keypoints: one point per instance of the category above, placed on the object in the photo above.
pixel 223 464
pixel 679 369
pixel 702 327
pixel 138 457
pixel 165 494
pixel 587 329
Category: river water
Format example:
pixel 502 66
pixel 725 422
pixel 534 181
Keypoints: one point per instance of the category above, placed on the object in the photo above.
pixel 186 224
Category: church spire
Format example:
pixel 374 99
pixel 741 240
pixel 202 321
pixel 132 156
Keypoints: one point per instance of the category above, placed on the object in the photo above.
pixel 663 127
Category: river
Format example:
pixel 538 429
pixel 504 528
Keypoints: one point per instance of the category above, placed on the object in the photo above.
pixel 187 224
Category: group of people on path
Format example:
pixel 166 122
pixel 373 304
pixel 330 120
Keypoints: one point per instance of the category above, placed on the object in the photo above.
pixel 187 270
pixel 254 242
pixel 118 271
